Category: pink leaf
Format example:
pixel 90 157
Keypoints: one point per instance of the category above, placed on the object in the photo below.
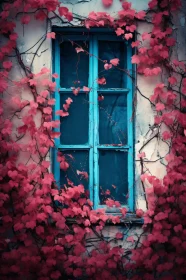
pixel 139 212
pixel 146 36
pixel 47 110
pixel 130 239
pixel 107 66
pixel 128 36
pixel 86 89
pixel 78 50
pixel 160 107
pixel 55 75
pixel 51 35
pixel 135 44
pixel 107 3
pixel 76 91
pixel 123 211
pixel 62 113
pixel 119 31
pixel 135 59
pixel 142 155
pixel 114 61
pixel 64 165
pixel 83 174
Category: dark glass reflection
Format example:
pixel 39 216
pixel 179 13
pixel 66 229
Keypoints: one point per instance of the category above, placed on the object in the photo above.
pixel 74 128
pixel 113 176
pixel 108 50
pixel 78 160
pixel 74 66
pixel 113 119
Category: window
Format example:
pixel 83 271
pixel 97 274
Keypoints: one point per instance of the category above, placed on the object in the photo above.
pixel 97 136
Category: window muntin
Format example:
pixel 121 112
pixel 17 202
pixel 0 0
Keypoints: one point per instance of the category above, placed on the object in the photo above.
pixel 108 144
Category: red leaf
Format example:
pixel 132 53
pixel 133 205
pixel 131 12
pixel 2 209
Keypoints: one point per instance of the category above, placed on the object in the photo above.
pixel 13 36
pixel 39 230
pixel 172 80
pixel 63 11
pixel 31 224
pixel 166 135
pixel 119 235
pixel 25 19
pixel 101 81
pixel 40 15
pixel 100 98
pixel 55 274
pixel 7 65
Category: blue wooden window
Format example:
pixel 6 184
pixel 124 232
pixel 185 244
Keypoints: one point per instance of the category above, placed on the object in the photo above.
pixel 97 136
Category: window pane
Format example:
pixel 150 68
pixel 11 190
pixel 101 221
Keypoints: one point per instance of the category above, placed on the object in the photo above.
pixel 113 176
pixel 113 119
pixel 78 161
pixel 108 50
pixel 74 66
pixel 74 128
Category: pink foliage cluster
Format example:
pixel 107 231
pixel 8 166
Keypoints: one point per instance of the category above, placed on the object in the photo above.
pixel 47 233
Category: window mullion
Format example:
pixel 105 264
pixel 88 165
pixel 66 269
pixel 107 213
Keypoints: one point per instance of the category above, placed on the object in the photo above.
pixel 56 69
pixel 91 120
pixel 130 122
pixel 95 121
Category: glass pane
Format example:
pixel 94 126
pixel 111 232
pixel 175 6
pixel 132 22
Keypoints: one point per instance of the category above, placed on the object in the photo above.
pixel 113 176
pixel 108 50
pixel 113 119
pixel 74 128
pixel 74 67
pixel 78 161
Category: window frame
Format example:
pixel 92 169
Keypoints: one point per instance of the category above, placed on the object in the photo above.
pixel 92 145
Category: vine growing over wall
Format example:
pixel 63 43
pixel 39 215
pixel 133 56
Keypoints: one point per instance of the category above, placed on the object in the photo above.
pixel 38 241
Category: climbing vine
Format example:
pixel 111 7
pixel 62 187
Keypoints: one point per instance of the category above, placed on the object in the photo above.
pixel 52 233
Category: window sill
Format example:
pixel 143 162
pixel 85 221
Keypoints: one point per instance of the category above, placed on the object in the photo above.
pixel 130 218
